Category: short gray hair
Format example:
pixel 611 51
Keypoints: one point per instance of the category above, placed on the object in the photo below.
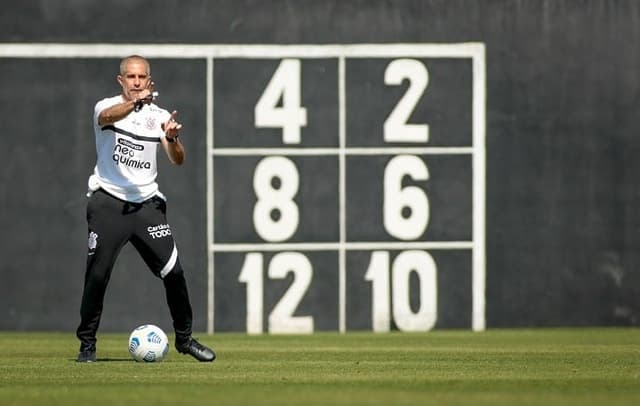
pixel 125 61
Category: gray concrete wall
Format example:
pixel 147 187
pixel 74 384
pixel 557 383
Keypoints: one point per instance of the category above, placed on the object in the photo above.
pixel 561 146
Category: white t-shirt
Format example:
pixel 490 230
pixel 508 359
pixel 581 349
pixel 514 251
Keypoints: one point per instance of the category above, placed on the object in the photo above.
pixel 127 152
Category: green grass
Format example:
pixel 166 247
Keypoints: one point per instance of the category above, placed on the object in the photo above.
pixel 497 367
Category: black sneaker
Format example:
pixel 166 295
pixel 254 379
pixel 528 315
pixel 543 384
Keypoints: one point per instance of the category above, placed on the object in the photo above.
pixel 87 354
pixel 195 349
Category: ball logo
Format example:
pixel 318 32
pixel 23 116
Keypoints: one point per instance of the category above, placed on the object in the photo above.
pixel 134 344
pixel 153 337
pixel 150 357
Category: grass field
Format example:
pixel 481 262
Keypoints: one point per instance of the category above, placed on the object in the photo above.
pixel 496 367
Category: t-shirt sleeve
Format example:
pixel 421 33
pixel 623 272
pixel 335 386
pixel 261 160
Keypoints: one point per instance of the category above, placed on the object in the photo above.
pixel 101 105
pixel 164 116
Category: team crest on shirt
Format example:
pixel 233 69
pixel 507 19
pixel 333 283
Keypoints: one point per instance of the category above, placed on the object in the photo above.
pixel 151 123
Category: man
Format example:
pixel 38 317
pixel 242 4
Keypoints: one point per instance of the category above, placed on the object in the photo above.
pixel 125 204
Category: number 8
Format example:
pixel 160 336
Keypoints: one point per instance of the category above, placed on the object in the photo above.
pixel 275 215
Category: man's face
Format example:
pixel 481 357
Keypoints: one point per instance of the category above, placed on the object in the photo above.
pixel 135 79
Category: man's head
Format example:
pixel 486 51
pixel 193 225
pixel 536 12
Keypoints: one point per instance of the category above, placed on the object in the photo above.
pixel 135 76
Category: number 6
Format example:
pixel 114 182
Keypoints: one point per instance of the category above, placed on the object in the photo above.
pixel 411 199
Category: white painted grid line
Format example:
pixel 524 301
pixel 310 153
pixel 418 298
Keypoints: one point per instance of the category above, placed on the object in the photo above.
pixel 342 261
pixel 197 51
pixel 474 51
pixel 349 246
pixel 210 201
pixel 344 150
pixel 479 191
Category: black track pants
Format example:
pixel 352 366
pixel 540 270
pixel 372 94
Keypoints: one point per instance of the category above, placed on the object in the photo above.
pixel 112 223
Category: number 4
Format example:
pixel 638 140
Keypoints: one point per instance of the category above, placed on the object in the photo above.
pixel 279 105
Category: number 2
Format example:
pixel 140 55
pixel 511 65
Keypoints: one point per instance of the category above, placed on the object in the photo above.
pixel 396 128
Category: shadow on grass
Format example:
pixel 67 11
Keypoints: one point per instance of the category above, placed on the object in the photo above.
pixel 105 360
pixel 115 360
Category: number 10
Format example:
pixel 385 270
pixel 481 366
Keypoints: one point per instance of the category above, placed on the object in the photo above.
pixel 406 262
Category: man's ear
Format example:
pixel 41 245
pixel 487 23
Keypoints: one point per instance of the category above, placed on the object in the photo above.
pixel 119 78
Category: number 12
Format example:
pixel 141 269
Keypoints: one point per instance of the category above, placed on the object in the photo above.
pixel 281 319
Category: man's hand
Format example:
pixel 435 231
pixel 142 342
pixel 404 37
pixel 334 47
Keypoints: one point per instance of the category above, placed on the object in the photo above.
pixel 171 144
pixel 171 127
pixel 145 96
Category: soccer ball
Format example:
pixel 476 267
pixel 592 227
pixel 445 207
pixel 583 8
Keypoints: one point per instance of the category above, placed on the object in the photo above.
pixel 148 343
